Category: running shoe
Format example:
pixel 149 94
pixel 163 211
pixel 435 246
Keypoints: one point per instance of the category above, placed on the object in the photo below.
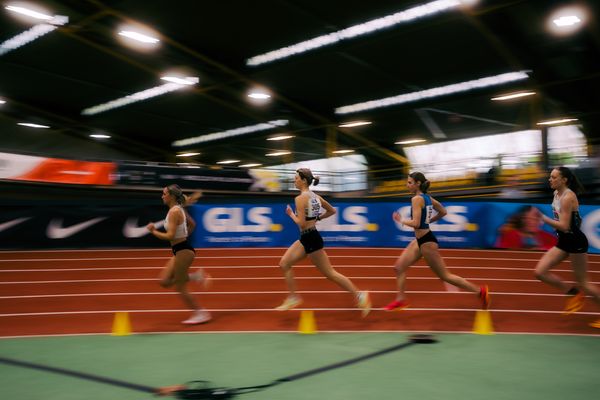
pixel 574 304
pixel 198 317
pixel 595 324
pixel 396 305
pixel 202 277
pixel 289 303
pixel 484 296
pixel 364 303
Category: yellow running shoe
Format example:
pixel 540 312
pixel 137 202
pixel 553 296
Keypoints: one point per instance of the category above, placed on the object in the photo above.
pixel 595 324
pixel 574 304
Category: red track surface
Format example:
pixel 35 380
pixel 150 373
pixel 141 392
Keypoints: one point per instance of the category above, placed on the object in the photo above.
pixel 78 292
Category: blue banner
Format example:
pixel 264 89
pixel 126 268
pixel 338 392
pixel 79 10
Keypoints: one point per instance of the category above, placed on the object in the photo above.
pixel 366 224
pixel 513 225
pixel 354 224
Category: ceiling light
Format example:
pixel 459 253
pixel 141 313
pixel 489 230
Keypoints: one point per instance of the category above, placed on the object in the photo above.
pixel 342 151
pixel 30 125
pixel 229 133
pixel 2 101
pixel 557 121
pixel 512 96
pixel 373 25
pixel 259 96
pixel 187 154
pixel 50 23
pixel 140 37
pixel 434 92
pixel 23 38
pixel 29 13
pixel 135 97
pixel 566 20
pixel 99 136
pixel 281 137
pixel 411 141
pixel 189 165
pixel 33 33
pixel 278 153
pixel 250 165
pixel 354 123
pixel 228 162
pixel 188 80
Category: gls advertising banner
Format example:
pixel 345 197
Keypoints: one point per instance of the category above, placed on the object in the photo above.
pixel 466 225
pixel 356 224
pixel 500 214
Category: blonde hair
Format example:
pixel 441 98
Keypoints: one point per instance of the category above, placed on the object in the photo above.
pixel 177 193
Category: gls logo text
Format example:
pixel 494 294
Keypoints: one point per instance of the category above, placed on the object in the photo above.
pixel 457 222
pixel 356 218
pixel 238 219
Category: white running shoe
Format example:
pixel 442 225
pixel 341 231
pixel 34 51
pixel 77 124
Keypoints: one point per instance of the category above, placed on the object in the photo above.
pixel 202 277
pixel 364 302
pixel 289 303
pixel 198 317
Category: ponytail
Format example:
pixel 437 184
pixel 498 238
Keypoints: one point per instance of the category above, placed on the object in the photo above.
pixel 419 177
pixel 177 193
pixel 307 175
pixel 572 182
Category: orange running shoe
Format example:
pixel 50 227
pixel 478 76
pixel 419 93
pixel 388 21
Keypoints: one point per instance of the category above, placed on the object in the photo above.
pixel 574 304
pixel 595 324
pixel 396 305
pixel 484 296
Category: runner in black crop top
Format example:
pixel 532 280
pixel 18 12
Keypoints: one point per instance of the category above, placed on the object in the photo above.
pixel 425 244
pixel 572 242
pixel 308 212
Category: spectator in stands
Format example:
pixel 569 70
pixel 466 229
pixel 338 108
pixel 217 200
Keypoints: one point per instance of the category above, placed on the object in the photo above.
pixel 425 243
pixel 178 225
pixel 572 242
pixel 309 207
pixel 522 230
pixel 512 189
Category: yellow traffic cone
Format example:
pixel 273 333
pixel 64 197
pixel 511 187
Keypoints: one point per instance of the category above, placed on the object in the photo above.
pixel 121 325
pixel 483 323
pixel 307 323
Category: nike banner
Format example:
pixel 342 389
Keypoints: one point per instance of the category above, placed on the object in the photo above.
pixel 79 227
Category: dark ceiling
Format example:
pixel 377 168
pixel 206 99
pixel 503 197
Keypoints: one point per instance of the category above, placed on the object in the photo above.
pixel 82 64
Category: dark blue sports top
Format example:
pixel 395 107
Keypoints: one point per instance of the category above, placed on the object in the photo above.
pixel 426 212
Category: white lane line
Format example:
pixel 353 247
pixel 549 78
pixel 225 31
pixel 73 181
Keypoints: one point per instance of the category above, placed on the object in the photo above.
pixel 273 278
pixel 271 310
pixel 34 296
pixel 526 269
pixel 294 332
pixel 220 257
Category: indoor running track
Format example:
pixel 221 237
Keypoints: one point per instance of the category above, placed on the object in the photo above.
pixel 79 292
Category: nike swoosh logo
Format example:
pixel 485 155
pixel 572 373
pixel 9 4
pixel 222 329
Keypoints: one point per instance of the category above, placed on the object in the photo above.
pixel 56 231
pixel 132 230
pixel 9 224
